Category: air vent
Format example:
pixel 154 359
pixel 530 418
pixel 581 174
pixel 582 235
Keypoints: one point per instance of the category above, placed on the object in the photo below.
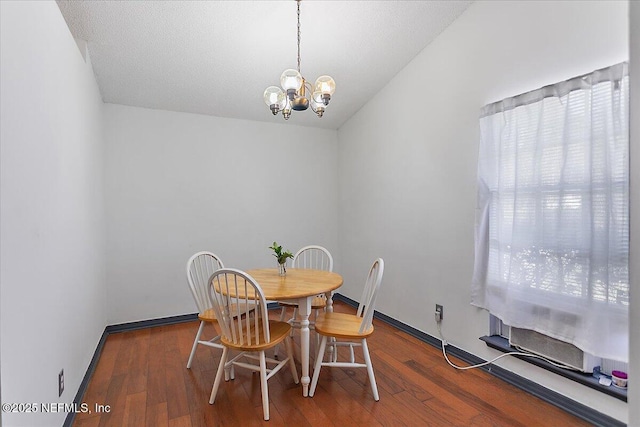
pixel 553 349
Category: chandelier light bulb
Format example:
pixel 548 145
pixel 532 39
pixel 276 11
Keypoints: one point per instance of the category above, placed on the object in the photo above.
pixel 326 86
pixel 286 113
pixel 274 97
pixel 291 81
pixel 317 105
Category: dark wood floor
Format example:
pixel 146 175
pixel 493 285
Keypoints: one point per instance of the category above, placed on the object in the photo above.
pixel 142 376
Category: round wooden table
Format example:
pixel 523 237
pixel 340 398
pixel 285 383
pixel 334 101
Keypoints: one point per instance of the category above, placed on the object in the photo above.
pixel 300 284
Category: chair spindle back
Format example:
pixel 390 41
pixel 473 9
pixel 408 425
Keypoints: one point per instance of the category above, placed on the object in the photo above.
pixel 233 292
pixel 368 300
pixel 200 267
pixel 313 256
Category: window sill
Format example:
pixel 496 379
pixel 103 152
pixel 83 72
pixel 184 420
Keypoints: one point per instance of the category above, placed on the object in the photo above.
pixel 502 344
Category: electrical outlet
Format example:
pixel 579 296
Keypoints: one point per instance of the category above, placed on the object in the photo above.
pixel 439 312
pixel 60 382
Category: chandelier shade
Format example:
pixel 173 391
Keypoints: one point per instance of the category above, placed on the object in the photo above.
pixel 273 95
pixel 291 79
pixel 325 86
pixel 296 93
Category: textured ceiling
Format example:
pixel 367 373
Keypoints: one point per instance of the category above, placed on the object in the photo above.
pixel 217 57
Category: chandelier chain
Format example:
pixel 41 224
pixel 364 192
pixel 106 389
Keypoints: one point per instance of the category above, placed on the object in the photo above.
pixel 298 1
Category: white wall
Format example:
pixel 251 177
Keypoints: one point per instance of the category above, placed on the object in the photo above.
pixel 634 260
pixel 178 183
pixel 51 210
pixel 407 160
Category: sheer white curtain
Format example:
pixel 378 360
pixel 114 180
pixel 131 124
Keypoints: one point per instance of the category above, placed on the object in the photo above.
pixel 552 229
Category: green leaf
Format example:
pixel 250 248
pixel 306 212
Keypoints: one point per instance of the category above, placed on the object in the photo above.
pixel 279 254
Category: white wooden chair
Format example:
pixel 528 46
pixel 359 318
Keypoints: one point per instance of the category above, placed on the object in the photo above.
pixel 315 257
pixel 200 267
pixel 233 291
pixel 353 327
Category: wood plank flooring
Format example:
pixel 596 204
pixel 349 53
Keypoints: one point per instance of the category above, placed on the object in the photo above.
pixel 142 376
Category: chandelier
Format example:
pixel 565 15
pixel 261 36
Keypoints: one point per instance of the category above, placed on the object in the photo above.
pixel 298 94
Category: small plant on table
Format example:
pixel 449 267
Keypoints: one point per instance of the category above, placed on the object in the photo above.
pixel 281 256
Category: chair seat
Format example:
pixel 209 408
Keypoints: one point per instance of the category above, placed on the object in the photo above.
pixel 316 304
pixel 277 330
pixel 210 316
pixel 341 325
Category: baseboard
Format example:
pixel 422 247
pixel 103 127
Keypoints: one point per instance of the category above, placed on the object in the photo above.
pixel 559 400
pixel 579 410
pixel 68 422
pixel 143 324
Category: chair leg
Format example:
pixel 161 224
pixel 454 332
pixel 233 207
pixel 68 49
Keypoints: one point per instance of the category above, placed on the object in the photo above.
pixel 229 372
pixel 333 350
pixel 372 378
pixel 195 344
pixel 263 386
pixel 315 319
pixel 292 363
pixel 216 383
pixel 312 327
pixel 316 368
pixel 227 376
pixel 276 350
pixel 295 318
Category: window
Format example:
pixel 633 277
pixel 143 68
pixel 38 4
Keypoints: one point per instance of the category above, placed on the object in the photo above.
pixel 552 232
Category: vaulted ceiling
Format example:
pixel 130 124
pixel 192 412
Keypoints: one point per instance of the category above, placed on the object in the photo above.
pixel 217 57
